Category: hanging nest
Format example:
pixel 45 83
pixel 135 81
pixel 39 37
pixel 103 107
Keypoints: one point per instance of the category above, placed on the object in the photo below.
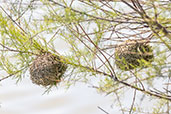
pixel 132 54
pixel 47 69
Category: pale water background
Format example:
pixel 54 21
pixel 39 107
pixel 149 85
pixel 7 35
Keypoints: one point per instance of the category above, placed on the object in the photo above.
pixel 26 98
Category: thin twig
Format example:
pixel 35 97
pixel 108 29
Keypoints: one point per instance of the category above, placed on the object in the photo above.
pixel 13 50
pixel 102 110
pixel 133 102
pixel 13 20
pixel 120 104
pixel 92 16
pixel 10 75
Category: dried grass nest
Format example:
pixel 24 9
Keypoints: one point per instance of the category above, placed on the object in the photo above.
pixel 47 69
pixel 132 54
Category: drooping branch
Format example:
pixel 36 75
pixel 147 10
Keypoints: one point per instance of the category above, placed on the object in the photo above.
pixel 166 97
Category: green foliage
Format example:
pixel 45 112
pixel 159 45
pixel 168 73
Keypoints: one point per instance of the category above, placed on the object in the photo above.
pixel 92 31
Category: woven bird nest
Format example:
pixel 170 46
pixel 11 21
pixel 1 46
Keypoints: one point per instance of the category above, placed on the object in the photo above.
pixel 132 54
pixel 47 69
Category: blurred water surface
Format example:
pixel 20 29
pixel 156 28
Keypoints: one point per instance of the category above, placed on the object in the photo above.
pixel 26 98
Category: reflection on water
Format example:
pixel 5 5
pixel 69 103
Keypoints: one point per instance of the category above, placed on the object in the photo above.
pixel 27 98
